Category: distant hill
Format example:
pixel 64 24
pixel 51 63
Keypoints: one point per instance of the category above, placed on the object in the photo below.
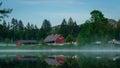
pixel 56 27
pixel 112 22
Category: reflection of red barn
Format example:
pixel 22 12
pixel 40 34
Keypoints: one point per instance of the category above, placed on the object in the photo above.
pixel 27 58
pixel 58 39
pixel 58 60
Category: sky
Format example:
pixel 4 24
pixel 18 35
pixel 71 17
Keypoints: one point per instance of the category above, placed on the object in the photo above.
pixel 35 11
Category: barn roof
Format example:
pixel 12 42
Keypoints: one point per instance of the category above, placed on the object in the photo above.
pixel 51 38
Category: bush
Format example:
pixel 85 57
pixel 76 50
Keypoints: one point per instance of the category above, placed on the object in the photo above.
pixel 69 38
pixel 43 42
pixel 7 41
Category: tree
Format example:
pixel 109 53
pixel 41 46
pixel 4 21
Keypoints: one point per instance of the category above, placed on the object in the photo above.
pixel 46 25
pixel 4 12
pixel 97 28
pixel 5 30
pixel 42 33
pixel 101 26
pixel 14 24
pixel 28 31
pixel 70 21
pixel 69 38
pixel 45 28
pixel 4 23
pixel 1 32
pixel 28 27
pixel 75 30
pixel 70 26
pixel 20 25
pixel 118 31
pixel 63 30
pixel 97 16
pixel 85 35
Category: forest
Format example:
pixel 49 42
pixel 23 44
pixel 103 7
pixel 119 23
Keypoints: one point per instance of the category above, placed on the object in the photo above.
pixel 98 27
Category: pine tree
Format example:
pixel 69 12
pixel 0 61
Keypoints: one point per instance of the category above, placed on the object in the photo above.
pixel 63 28
pixel 46 25
pixel 20 25
pixel 45 28
pixel 70 26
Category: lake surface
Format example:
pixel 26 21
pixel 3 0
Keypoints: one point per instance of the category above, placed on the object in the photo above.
pixel 60 59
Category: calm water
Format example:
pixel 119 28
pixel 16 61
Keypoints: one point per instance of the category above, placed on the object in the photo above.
pixel 60 60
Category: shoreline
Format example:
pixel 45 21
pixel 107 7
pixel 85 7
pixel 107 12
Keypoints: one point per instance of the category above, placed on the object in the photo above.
pixel 63 50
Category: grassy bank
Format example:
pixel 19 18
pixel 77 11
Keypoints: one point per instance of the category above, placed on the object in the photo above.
pixel 39 47
pixel 70 46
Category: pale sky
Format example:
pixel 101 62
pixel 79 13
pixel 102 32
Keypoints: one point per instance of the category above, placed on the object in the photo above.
pixel 35 11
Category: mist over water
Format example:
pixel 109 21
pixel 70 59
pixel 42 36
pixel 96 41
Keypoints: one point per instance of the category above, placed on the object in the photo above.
pixel 87 50
pixel 88 55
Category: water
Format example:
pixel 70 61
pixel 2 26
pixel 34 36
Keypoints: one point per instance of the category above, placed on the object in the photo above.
pixel 60 59
pixel 84 57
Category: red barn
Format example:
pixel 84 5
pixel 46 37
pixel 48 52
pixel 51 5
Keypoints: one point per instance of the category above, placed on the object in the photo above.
pixel 55 38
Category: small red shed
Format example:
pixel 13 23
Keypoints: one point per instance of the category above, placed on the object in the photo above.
pixel 55 38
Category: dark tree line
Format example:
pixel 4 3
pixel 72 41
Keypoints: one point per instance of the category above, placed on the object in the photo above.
pixel 69 28
pixel 97 28
pixel 16 30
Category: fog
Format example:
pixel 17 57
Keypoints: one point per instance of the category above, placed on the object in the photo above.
pixel 86 50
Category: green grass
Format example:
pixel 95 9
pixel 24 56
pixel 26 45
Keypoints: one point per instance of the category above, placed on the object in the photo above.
pixel 38 47
pixel 70 46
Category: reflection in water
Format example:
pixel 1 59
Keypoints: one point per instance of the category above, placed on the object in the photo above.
pixel 81 60
pixel 55 60
pixel 27 58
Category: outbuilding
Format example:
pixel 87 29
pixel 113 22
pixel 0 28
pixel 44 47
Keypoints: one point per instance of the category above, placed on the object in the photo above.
pixel 26 42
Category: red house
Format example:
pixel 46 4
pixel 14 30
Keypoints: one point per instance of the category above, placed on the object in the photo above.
pixel 55 38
